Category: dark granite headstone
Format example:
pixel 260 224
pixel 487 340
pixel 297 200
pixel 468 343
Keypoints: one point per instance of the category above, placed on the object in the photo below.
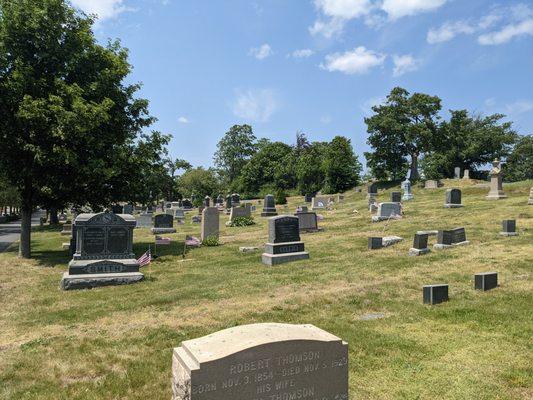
pixel 187 204
pixel 220 200
pixel 453 198
pixel 420 241
pixel 435 294
pixel 235 199
pixel 375 243
pixel 509 225
pixel 269 206
pixel 451 237
pixel 396 197
pixel 309 197
pixel 486 281
pixel 207 201
pixel 308 221
pixel 372 188
pixel 163 223
pixel 284 243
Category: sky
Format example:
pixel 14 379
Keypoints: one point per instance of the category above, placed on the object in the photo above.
pixel 316 66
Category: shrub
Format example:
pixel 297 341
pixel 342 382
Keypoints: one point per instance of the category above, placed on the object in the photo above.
pixel 211 241
pixel 241 221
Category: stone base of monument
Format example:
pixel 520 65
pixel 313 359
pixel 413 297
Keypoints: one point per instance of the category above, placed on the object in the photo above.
pixel 440 246
pixel 158 231
pixel 280 253
pixel 407 197
pixel 269 212
pixel 450 205
pixel 65 245
pixel 89 281
pixel 509 233
pixel 496 196
pixel 418 252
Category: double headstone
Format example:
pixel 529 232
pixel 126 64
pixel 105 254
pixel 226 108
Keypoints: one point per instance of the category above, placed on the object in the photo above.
pixel 449 238
pixel 269 206
pixel 453 198
pixel 387 211
pixel 308 221
pixel 104 254
pixel 509 228
pixel 284 244
pixel 267 361
pixel 163 223
pixel 496 182
pixel 210 223
pixel 420 245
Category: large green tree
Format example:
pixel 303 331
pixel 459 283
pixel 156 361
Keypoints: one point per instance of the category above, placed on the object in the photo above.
pixel 341 166
pixel 310 174
pixel 234 150
pixel 520 162
pixel 200 182
pixel 65 109
pixel 468 142
pixel 400 131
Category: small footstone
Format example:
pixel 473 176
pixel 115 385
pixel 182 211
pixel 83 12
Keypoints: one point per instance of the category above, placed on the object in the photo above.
pixel 248 249
pixel 390 240
pixel 486 280
pixel 371 316
pixel 435 294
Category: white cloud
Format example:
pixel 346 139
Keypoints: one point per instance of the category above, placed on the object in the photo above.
pixel 356 61
pixel 345 9
pixel 448 31
pixel 255 105
pixel 490 102
pixel 261 52
pixel 401 8
pixel 105 9
pixel 325 119
pixel 403 64
pixel 329 28
pixel 519 107
pixel 507 33
pixel 302 53
pixel 183 120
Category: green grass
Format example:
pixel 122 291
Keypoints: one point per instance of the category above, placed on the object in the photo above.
pixel 116 342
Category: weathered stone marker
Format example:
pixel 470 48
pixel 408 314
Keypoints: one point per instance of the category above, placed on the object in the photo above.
pixel 104 254
pixel 284 244
pixel 269 206
pixel 238 211
pixel 449 238
pixel 496 182
pixel 144 221
pixel 431 184
pixel 319 203
pixel 308 221
pixel 486 280
pixel 163 223
pixel 388 211
pixel 435 294
pixel 262 362
pixel 509 228
pixel 453 198
pixel 466 174
pixel 407 190
pixel 420 245
pixel 210 223
pixel 396 197
pixel 457 173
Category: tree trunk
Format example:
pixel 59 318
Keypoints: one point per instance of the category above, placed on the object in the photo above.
pixel 25 232
pixel 414 167
pixel 54 220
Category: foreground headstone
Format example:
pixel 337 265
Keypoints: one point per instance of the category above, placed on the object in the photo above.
pixel 104 254
pixel 496 182
pixel 449 238
pixel 284 244
pixel 435 294
pixel 163 223
pixel 266 361
pixel 269 206
pixel 453 198
pixel 308 221
pixel 486 281
pixel 420 245
pixel 388 211
pixel 210 223
pixel 509 228
pixel 319 203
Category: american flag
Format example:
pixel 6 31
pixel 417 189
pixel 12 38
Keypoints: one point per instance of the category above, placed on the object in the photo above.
pixel 192 241
pixel 145 259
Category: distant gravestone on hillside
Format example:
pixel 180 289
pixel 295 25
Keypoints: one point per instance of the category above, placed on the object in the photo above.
pixel 450 238
pixel 187 204
pixel 372 189
pixel 163 223
pixel 284 244
pixel 235 199
pixel 308 221
pixel 431 184
pixel 238 211
pixel 267 361
pixel 269 206
pixel 144 221
pixel 453 198
pixel 407 190
pixel 466 174
pixel 388 211
pixel 319 203
pixel 396 197
pixel 496 182
pixel 457 173
pixel 103 254
pixel 420 245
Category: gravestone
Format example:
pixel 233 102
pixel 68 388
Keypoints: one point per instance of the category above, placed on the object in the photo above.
pixel 407 190
pixel 530 200
pixel 388 211
pixel 267 361
pixel 435 294
pixel 149 210
pixel 375 243
pixel 509 228
pixel 127 209
pixel 396 197
pixel 67 229
pixel 466 174
pixel 307 221
pixel 302 209
pixel 269 206
pixel 179 215
pixel 238 211
pixel 431 184
pixel 144 221
pixel 210 223
pixel 220 200
pixel 453 198
pixel 486 281
pixel 235 199
pixel 207 201
pixel 309 198
pixel 340 198
pixel 420 245
pixel 449 238
pixel 390 240
pixel 163 223
pixel 372 189
pixel 284 243
pixel 319 203
pixel 457 173
pixel 187 204
pixel 228 202
pixel 104 254
pixel 496 182
pixel 116 209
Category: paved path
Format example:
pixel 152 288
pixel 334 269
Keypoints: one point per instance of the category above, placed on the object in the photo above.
pixel 10 232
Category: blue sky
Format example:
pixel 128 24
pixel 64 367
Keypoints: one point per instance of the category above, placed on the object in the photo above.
pixel 317 66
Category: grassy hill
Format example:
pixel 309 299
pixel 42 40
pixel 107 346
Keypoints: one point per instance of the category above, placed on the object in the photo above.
pixel 116 342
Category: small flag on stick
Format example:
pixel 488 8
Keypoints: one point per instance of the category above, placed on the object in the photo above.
pixel 145 259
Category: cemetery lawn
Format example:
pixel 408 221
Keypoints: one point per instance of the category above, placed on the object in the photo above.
pixel 116 342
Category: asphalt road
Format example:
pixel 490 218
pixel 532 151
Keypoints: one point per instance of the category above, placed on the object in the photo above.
pixel 10 232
